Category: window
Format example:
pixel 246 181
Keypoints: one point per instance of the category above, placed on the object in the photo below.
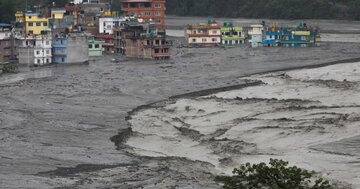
pixel 194 40
pixel 30 17
pixel 47 52
pixel 204 40
pixel 90 46
pixel 156 50
pixel 158 13
pixel 62 59
pixel 37 52
pixel 47 42
pixel 38 23
pixel 214 32
pixel 47 60
pixel 214 39
pixel 30 24
pixel 157 5
pixel 38 61
pixel 61 42
pixel 45 24
pixel 97 46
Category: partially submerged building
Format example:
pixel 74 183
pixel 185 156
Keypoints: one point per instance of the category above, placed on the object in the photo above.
pixel 300 36
pixel 6 42
pixel 232 35
pixel 35 49
pixel 256 35
pixel 142 40
pixel 108 42
pixel 203 34
pixel 149 10
pixel 95 47
pixel 70 48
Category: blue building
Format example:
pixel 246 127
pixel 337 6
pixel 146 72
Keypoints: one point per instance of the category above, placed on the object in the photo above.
pixel 301 36
pixel 272 38
pixel 59 50
pixel 70 48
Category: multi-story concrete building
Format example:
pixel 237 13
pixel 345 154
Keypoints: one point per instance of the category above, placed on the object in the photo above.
pixel 107 24
pixel 36 24
pixel 5 41
pixel 232 35
pixel 300 36
pixel 95 47
pixel 149 10
pixel 35 50
pixel 142 40
pixel 256 35
pixel 108 42
pixel 70 48
pixel 203 34
pixel 89 15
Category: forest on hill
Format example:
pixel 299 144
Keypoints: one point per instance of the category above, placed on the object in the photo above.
pixel 275 9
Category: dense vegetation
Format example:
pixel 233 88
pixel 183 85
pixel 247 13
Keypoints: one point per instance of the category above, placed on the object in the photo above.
pixel 277 9
pixel 277 175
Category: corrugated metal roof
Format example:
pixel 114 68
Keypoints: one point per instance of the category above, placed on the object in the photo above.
pixel 6 25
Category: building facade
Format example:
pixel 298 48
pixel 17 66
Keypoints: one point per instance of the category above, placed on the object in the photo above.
pixel 300 36
pixel 203 35
pixel 95 47
pixel 36 24
pixel 149 10
pixel 141 40
pixel 70 48
pixel 107 24
pixel 5 42
pixel 256 35
pixel 232 35
pixel 35 50
pixel 108 42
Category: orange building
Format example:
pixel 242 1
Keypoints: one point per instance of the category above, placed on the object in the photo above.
pixel 146 9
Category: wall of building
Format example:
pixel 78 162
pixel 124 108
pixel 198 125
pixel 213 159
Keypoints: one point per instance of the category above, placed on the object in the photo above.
pixel 204 40
pixel 77 48
pixel 26 55
pixel 106 25
pixel 36 24
pixel 256 40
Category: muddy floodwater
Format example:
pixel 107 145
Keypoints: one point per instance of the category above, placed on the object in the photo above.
pixel 89 126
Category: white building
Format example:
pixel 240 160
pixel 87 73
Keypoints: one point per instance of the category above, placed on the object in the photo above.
pixel 107 24
pixel 35 50
pixel 256 35
pixel 85 1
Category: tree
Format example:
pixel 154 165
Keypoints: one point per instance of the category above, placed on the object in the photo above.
pixel 276 175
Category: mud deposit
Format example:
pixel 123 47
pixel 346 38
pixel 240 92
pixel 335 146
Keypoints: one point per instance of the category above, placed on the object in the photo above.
pixel 59 124
pixel 310 117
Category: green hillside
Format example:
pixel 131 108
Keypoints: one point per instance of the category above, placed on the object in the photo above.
pixel 277 9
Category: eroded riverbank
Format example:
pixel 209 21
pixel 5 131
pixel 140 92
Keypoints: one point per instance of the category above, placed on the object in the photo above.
pixel 57 122
pixel 309 117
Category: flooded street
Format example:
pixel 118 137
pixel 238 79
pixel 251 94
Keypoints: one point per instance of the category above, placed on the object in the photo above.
pixel 66 126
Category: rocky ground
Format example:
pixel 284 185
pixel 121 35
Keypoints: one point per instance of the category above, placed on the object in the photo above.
pixel 64 126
